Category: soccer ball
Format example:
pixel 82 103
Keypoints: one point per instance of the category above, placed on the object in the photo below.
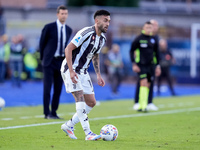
pixel 109 132
pixel 2 102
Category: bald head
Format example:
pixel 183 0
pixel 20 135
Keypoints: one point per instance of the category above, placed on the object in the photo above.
pixel 155 26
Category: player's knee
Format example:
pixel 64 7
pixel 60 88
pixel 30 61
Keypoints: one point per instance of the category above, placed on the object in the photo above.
pixel 91 103
pixel 144 82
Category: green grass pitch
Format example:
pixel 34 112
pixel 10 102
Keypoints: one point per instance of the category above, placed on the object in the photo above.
pixel 176 126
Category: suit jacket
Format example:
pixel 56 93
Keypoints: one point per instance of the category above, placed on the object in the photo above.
pixel 49 40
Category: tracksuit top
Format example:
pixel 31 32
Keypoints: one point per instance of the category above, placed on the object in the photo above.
pixel 144 50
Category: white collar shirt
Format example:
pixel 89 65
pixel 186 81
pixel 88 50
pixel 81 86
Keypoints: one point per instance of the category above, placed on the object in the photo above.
pixel 59 25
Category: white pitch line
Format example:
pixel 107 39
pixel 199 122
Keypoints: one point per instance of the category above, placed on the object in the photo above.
pixel 7 119
pixel 110 117
pixel 25 117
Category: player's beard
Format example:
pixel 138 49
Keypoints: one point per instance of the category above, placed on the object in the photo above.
pixel 102 29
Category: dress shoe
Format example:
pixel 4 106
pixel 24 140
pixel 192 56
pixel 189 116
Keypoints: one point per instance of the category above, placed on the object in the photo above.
pixel 52 117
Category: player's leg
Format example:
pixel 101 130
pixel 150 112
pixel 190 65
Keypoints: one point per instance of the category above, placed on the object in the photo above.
pixel 70 87
pixel 82 109
pixel 159 84
pixel 136 100
pixel 47 84
pixel 151 79
pixel 57 87
pixel 150 97
pixel 74 120
pixel 169 80
pixel 80 113
pixel 143 94
pixel 113 82
pixel 90 103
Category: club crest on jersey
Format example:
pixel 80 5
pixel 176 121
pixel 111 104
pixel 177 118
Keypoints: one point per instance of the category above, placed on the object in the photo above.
pixel 92 43
pixel 152 41
pixel 93 37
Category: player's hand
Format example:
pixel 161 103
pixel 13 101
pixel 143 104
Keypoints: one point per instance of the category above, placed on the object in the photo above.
pixel 73 76
pixel 100 81
pixel 157 71
pixel 136 68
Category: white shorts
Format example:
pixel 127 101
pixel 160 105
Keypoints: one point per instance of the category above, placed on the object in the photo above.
pixel 83 83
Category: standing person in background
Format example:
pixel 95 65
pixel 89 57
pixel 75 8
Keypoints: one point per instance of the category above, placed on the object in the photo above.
pixel 151 105
pixel 143 50
pixel 84 48
pixel 16 60
pixel 54 39
pixel 166 60
pixel 2 64
pixel 6 45
pixel 115 68
pixel 4 57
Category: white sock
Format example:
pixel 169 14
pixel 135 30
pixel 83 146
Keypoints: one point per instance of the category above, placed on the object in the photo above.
pixel 87 108
pixel 80 110
pixel 74 120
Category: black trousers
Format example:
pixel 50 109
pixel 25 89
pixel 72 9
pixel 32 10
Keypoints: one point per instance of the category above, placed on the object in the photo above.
pixel 52 77
pixel 165 74
pixel 115 80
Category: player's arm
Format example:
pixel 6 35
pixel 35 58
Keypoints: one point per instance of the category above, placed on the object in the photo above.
pixel 95 61
pixel 134 46
pixel 68 55
pixel 77 40
pixel 157 54
pixel 43 40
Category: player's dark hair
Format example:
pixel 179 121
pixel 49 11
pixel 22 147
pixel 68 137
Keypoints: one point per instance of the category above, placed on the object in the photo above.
pixel 148 22
pixel 61 7
pixel 101 12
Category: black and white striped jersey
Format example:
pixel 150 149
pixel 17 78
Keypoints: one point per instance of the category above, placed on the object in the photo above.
pixel 88 43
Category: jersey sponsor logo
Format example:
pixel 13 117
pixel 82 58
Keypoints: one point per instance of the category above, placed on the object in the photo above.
pixel 144 45
pixel 143 41
pixel 78 39
pixel 91 54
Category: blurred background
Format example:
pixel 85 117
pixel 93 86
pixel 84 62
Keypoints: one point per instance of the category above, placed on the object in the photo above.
pixel 179 22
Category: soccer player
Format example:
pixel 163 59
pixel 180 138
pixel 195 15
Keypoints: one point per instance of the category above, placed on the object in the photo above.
pixel 84 48
pixel 142 54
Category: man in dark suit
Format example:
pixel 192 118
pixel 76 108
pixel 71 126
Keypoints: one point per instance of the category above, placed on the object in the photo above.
pixel 54 38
